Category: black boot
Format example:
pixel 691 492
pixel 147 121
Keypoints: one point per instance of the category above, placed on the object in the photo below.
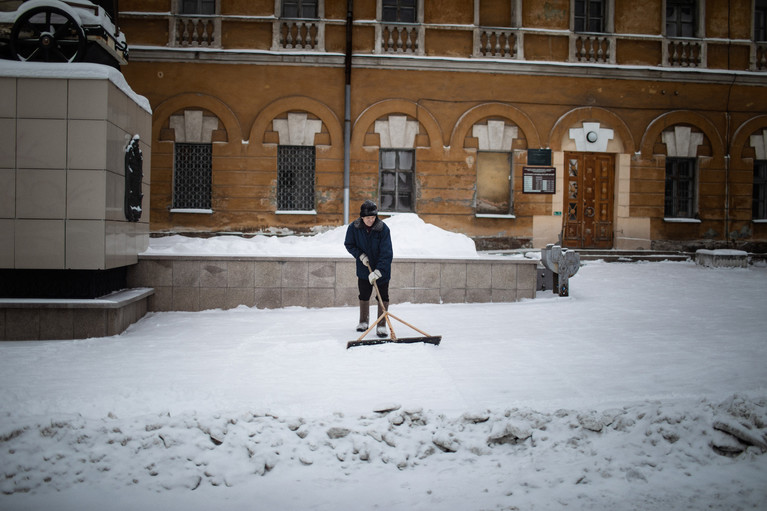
pixel 364 315
pixel 381 328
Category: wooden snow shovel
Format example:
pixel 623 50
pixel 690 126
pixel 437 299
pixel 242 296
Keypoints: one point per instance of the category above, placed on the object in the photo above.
pixel 361 341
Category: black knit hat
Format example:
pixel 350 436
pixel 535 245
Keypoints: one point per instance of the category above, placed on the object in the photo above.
pixel 369 208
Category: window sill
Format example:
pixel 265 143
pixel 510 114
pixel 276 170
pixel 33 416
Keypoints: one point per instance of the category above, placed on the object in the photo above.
pixel 682 220
pixel 192 211
pixel 491 215
pixel 760 220
pixel 296 212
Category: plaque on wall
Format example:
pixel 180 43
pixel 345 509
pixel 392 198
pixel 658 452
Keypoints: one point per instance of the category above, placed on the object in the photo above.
pixel 134 173
pixel 539 156
pixel 539 180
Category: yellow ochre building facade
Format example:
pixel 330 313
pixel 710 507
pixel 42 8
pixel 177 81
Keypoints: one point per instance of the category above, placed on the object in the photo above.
pixel 625 124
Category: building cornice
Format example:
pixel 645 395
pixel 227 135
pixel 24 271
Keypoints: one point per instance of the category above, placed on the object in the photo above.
pixel 446 64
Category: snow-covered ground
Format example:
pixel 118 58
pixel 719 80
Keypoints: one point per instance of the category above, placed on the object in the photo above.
pixel 625 395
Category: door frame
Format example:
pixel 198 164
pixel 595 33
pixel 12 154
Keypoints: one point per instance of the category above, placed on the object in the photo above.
pixel 597 202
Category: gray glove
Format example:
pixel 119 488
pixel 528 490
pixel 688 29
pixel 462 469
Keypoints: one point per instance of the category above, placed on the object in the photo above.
pixel 364 258
pixel 374 275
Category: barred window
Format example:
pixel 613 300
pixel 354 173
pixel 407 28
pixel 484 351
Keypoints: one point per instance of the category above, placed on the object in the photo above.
pixel 295 178
pixel 192 176
pixel 589 16
pixel 760 190
pixel 681 16
pixel 680 188
pixel 198 6
pixel 399 11
pixel 397 183
pixel 299 9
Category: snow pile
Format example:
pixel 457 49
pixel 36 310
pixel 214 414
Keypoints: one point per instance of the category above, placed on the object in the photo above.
pixel 588 453
pixel 411 237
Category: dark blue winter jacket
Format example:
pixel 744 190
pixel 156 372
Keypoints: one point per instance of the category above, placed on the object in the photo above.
pixel 375 243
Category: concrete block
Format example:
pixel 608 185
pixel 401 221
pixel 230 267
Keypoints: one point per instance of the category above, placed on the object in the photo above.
pixel 236 296
pixel 321 274
pixel 504 295
pixel 427 275
pixel 186 274
pixel 241 273
pixel 504 276
pixel 186 299
pixel 22 324
pixel 268 274
pixel 426 296
pixel 346 275
pixel 295 274
pixel 162 299
pixel 403 276
pixel 57 324
pixel 214 274
pixel 268 298
pixel 346 296
pixel 453 295
pixel 477 295
pixel 213 298
pixel 90 323
pixel 722 258
pixel 478 276
pixel 453 275
pixel 295 297
pixel 320 297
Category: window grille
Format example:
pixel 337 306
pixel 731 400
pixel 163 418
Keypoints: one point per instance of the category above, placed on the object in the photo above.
pixel 301 9
pixel 681 18
pixel 198 6
pixel 192 176
pixel 399 11
pixel 397 183
pixel 589 16
pixel 295 179
pixel 760 20
pixel 760 190
pixel 680 188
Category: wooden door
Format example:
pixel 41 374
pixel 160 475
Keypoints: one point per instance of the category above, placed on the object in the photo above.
pixel 589 200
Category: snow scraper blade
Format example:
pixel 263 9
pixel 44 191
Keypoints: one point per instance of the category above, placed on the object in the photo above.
pixel 431 339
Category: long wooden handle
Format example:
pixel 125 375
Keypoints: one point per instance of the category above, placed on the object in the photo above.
pixel 375 285
pixel 380 302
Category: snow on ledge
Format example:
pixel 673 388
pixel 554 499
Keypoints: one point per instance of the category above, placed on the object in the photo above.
pixel 682 220
pixel 722 252
pixel 68 71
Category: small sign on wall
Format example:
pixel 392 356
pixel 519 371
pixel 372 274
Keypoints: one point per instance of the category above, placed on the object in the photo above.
pixel 539 156
pixel 539 180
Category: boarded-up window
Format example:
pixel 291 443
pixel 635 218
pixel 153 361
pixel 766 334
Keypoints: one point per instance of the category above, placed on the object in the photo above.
pixel 494 184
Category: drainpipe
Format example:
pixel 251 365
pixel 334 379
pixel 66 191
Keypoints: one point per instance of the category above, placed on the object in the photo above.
pixel 727 183
pixel 728 141
pixel 347 106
